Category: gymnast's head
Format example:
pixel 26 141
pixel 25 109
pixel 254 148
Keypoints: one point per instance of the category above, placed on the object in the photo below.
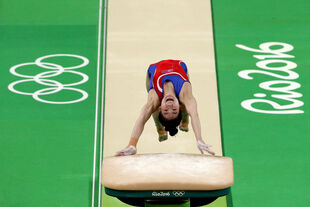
pixel 169 114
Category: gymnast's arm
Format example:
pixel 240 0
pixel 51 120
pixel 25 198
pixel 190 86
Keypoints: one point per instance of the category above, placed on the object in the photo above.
pixel 145 113
pixel 187 98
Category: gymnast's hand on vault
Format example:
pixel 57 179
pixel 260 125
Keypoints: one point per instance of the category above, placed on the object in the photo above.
pixel 130 150
pixel 204 147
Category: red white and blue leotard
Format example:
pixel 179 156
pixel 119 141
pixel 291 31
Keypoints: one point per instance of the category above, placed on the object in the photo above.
pixel 167 70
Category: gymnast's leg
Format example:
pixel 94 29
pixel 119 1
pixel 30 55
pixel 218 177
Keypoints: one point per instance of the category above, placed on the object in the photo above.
pixel 162 134
pixel 185 119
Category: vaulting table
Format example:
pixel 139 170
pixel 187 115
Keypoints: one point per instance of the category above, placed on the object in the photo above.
pixel 155 179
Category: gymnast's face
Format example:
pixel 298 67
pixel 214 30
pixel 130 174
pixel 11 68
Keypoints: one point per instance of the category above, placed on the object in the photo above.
pixel 170 107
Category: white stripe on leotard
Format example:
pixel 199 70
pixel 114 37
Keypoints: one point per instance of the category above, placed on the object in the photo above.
pixel 171 73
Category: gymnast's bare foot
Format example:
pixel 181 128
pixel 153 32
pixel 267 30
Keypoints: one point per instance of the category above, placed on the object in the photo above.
pixel 162 134
pixel 183 126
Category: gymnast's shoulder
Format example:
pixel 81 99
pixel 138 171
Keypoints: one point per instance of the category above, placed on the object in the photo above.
pixel 186 93
pixel 153 101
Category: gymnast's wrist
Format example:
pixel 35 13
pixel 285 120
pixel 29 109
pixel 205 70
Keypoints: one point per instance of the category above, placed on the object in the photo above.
pixel 133 141
pixel 199 139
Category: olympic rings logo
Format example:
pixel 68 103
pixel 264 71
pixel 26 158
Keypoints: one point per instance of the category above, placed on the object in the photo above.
pixel 178 193
pixel 52 85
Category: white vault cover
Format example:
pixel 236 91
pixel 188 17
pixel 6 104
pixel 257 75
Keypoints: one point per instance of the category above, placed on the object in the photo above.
pixel 170 171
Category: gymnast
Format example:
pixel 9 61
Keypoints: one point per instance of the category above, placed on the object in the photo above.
pixel 170 102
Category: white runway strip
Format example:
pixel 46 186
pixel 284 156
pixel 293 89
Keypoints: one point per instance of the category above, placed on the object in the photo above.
pixel 143 32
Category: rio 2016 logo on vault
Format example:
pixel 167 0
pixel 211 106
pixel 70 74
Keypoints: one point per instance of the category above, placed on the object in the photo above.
pixel 283 86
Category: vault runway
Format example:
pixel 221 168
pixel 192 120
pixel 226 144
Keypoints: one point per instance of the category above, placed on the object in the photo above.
pixel 72 83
